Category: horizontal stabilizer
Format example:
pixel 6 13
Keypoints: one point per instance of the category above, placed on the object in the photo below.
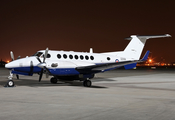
pixel 148 36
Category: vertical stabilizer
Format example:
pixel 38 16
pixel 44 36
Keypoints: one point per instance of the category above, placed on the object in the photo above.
pixel 135 47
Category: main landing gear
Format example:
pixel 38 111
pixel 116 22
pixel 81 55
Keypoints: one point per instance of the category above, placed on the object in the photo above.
pixel 53 80
pixel 86 82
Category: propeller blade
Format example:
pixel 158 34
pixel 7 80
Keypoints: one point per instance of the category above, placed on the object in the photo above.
pixel 13 58
pixel 47 70
pixel 41 74
pixel 12 55
pixel 42 64
pixel 38 59
pixel 31 68
pixel 45 54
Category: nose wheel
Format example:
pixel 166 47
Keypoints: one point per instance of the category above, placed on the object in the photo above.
pixel 10 83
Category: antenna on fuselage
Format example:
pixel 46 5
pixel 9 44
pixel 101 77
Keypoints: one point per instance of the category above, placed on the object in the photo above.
pixel 91 50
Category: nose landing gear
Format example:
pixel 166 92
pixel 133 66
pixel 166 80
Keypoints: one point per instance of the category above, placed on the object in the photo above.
pixel 10 82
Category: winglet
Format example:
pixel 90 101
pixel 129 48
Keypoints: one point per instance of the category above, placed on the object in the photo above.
pixel 145 56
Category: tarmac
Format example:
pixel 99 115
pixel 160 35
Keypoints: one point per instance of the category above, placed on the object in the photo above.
pixel 115 95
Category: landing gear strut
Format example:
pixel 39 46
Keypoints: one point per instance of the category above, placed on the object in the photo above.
pixel 10 77
pixel 87 83
pixel 54 80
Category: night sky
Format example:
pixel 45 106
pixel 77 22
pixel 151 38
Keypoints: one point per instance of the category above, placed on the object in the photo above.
pixel 27 26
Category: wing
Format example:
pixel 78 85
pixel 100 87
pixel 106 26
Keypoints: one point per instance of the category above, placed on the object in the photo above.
pixel 108 66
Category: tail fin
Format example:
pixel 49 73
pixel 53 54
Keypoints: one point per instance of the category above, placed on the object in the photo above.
pixel 136 45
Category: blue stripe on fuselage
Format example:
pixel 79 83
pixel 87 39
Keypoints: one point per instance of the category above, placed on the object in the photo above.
pixel 27 69
pixel 58 71
pixel 64 71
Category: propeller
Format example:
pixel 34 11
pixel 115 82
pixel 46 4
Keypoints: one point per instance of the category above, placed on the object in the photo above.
pixel 43 64
pixel 31 68
pixel 12 55
pixel 13 58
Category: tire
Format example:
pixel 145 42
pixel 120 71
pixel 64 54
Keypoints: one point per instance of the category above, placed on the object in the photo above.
pixel 87 83
pixel 53 80
pixel 10 83
pixel 84 83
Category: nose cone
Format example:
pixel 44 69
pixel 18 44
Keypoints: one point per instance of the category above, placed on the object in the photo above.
pixel 10 65
pixel 7 65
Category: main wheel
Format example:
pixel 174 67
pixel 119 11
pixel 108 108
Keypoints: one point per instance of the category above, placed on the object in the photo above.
pixel 53 80
pixel 87 83
pixel 10 83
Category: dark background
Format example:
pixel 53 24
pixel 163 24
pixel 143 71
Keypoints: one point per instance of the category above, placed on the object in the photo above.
pixel 27 26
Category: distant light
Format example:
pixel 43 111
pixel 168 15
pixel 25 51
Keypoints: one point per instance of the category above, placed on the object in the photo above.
pixel 162 64
pixel 8 61
pixel 150 60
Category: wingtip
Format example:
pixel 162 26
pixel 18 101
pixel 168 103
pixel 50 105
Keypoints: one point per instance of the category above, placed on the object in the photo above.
pixel 168 35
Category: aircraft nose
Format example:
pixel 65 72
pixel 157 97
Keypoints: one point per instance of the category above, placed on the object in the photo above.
pixel 10 65
pixel 7 65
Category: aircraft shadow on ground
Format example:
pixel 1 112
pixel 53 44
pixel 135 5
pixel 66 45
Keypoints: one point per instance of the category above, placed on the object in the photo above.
pixel 146 88
pixel 44 83
pixel 130 73
pixel 33 81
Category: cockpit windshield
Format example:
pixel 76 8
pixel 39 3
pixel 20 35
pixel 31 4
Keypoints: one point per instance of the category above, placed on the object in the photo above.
pixel 38 54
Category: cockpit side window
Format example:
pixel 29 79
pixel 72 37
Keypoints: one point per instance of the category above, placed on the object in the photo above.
pixel 38 54
pixel 48 55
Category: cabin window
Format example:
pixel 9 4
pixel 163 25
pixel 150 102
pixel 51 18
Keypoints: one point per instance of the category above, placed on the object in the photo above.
pixel 58 56
pixel 76 57
pixel 108 58
pixel 92 57
pixel 65 56
pixel 48 56
pixel 87 57
pixel 70 56
pixel 81 57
